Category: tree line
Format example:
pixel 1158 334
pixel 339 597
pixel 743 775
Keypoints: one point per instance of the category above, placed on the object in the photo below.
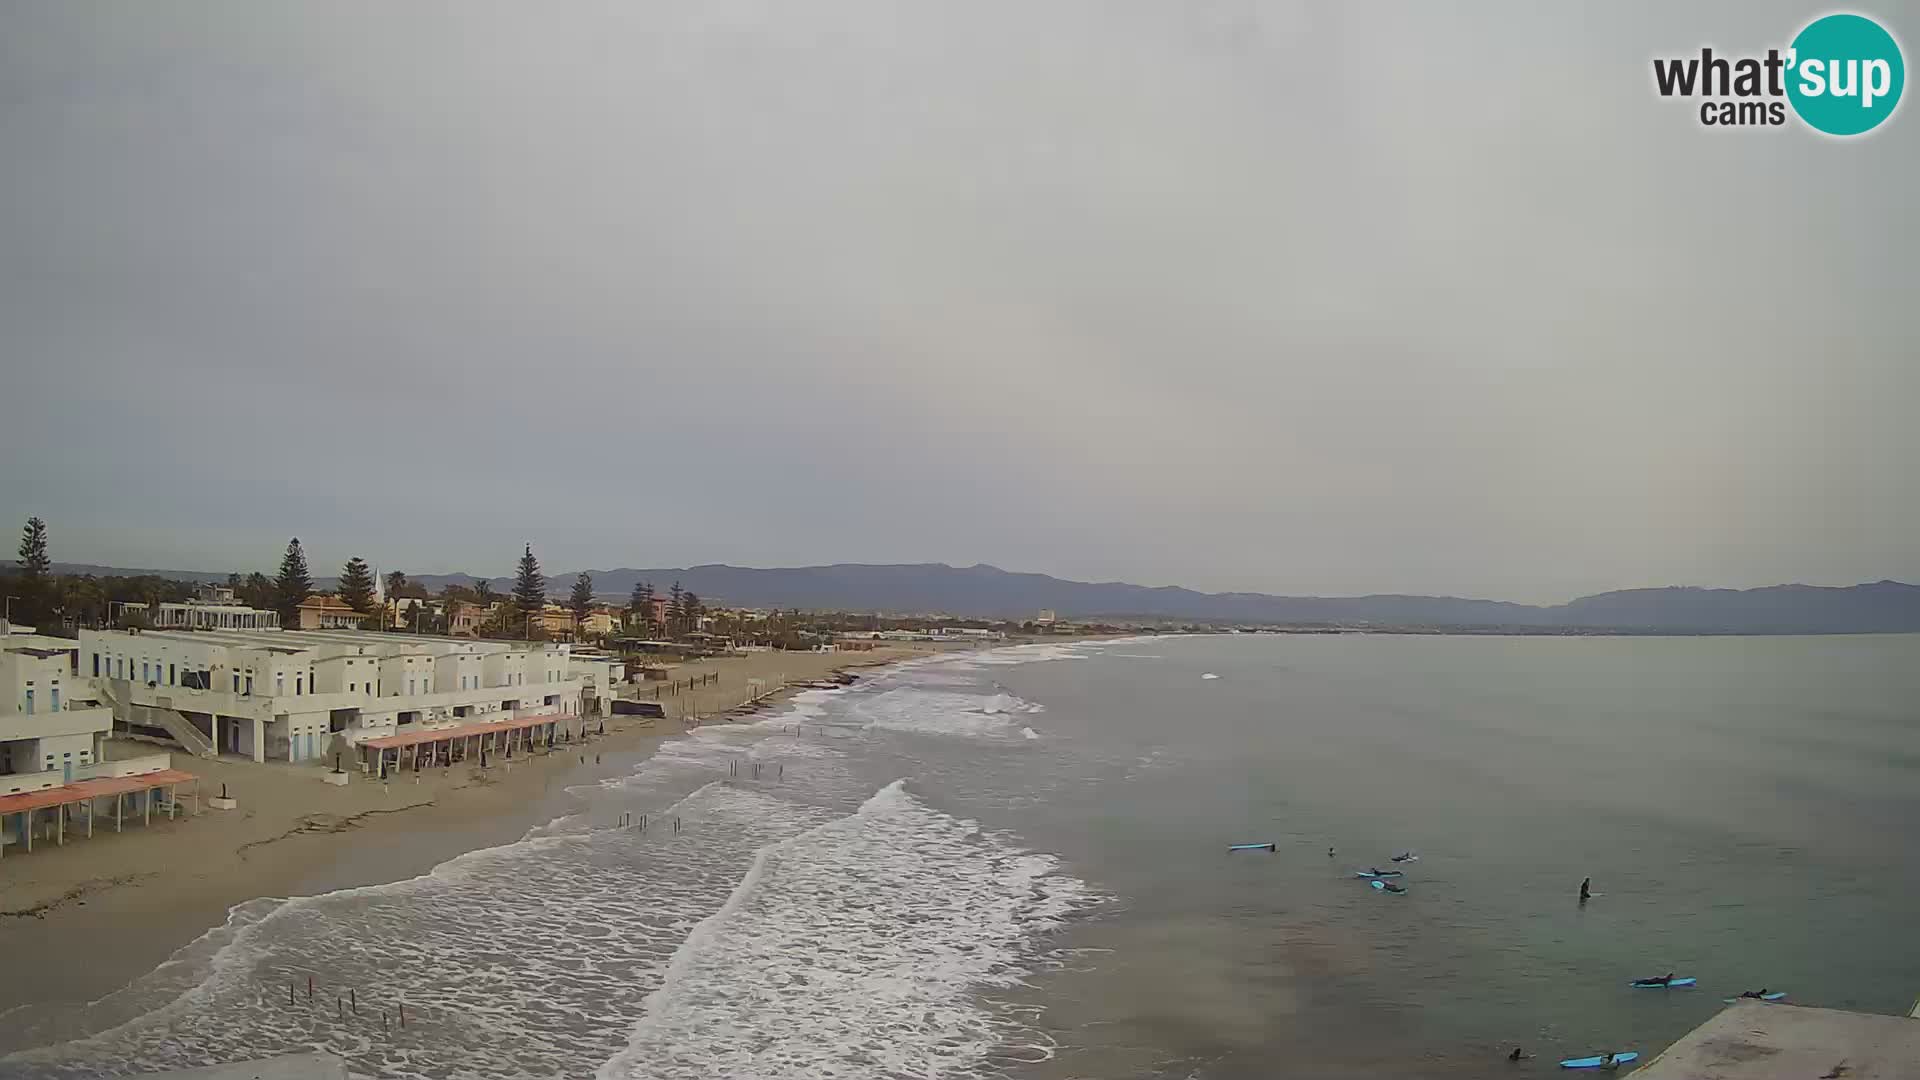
pixel 58 603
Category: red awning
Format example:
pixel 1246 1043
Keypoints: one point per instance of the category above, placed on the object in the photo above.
pixel 83 790
pixel 463 731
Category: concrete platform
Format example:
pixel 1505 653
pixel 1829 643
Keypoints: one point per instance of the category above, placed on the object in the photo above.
pixel 314 1066
pixel 1757 1041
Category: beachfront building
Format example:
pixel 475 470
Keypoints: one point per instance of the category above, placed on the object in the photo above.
pixel 307 695
pixel 54 778
pixel 51 729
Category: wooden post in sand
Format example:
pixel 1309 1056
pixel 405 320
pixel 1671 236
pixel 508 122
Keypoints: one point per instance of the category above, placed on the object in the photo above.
pixel 309 988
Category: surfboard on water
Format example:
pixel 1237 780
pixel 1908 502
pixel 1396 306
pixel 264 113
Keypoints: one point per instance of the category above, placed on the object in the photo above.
pixel 1250 847
pixel 1378 873
pixel 1639 985
pixel 1384 887
pixel 1406 856
pixel 1777 995
pixel 1597 1062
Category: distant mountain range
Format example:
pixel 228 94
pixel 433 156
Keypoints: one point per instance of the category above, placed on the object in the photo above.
pixel 989 592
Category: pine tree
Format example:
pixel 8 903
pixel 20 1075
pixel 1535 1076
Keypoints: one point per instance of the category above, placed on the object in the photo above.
pixel 676 608
pixel 581 601
pixel 530 585
pixel 640 606
pixel 294 584
pixel 690 610
pixel 34 586
pixel 356 585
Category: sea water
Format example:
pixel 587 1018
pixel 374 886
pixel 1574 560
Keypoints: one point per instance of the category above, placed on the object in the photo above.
pixel 1012 863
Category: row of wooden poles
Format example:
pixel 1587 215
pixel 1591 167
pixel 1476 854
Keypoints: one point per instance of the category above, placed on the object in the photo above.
pixel 639 821
pixel 676 687
pixel 351 1002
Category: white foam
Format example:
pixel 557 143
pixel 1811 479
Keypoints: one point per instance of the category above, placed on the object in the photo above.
pixel 510 960
pixel 1029 733
pixel 852 950
pixel 942 712
pixel 1209 675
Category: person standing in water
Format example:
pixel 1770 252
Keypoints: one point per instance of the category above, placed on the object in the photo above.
pixel 1586 890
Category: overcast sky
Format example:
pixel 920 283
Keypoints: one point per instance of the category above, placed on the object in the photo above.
pixel 1231 295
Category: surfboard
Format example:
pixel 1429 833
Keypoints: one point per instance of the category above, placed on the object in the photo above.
pixel 1250 847
pixel 1688 981
pixel 1383 887
pixel 1378 873
pixel 1777 995
pixel 1596 1062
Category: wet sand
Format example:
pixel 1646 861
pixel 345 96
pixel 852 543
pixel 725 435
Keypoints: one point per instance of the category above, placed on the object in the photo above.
pixel 90 917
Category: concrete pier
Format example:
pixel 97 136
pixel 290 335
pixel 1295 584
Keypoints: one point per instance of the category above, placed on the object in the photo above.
pixel 1758 1041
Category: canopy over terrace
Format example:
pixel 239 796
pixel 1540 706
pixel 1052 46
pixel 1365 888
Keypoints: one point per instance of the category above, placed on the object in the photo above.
pixel 59 799
pixel 450 744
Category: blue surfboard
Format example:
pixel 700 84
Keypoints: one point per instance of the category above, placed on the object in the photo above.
pixel 1688 981
pixel 1777 995
pixel 1386 888
pixel 1597 1062
pixel 1250 847
pixel 1379 873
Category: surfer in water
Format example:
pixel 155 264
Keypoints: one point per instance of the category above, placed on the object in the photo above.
pixel 1329 851
pixel 1661 980
pixel 1586 890
pixel 1760 993
pixel 1518 1055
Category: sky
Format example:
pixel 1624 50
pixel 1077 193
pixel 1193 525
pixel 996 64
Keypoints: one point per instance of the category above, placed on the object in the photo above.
pixel 1297 298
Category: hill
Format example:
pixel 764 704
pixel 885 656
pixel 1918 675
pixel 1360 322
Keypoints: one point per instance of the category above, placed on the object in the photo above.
pixel 990 592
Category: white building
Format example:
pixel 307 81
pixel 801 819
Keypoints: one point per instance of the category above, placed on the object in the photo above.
pixel 202 615
pixel 51 730
pixel 300 695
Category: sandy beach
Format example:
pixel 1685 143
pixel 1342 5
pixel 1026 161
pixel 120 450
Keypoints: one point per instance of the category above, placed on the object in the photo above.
pixel 91 916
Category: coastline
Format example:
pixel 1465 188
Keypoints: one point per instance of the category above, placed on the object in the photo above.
pixel 93 916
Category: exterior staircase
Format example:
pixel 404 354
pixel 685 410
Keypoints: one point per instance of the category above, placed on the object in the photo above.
pixel 171 721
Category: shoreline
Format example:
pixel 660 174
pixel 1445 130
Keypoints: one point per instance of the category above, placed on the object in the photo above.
pixel 90 918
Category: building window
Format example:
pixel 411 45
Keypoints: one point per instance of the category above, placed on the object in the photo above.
pixel 54 699
pixel 236 682
pixel 279 683
pixel 353 688
pixel 30 705
pixel 170 677
pixel 96 665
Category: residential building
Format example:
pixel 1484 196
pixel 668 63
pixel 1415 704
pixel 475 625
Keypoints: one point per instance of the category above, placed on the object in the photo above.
pixel 554 620
pixel 601 622
pixel 1045 618
pixel 328 613
pixel 465 620
pixel 299 695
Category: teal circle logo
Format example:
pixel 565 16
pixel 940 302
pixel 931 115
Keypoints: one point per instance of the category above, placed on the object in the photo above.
pixel 1845 74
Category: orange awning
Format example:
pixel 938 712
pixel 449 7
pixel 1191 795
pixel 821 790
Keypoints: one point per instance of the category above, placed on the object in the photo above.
pixel 84 790
pixel 463 731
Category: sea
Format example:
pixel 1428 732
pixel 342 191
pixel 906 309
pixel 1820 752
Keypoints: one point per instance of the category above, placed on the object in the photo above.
pixel 1014 863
